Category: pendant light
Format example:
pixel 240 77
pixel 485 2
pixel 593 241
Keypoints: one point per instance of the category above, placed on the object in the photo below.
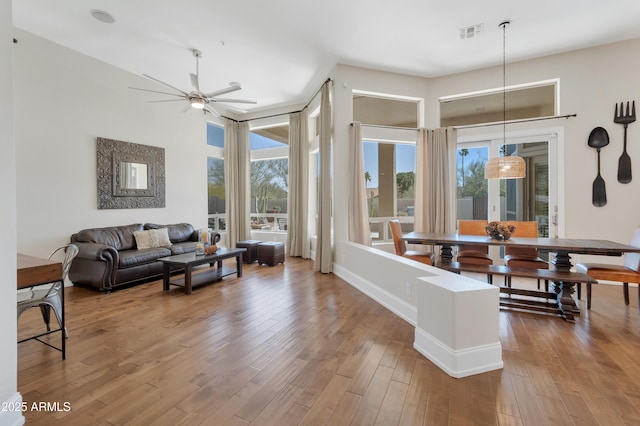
pixel 507 166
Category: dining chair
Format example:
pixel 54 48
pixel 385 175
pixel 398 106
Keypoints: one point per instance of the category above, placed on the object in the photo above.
pixel 401 247
pixel 476 254
pixel 524 257
pixel 627 273
pixel 48 297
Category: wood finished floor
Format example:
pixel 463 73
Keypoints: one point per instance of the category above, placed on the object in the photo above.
pixel 287 346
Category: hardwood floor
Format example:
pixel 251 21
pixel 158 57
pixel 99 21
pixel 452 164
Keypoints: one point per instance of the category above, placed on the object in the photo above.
pixel 287 346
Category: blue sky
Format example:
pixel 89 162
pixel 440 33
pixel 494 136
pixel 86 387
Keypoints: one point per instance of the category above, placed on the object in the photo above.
pixel 475 154
pixel 405 160
pixel 215 137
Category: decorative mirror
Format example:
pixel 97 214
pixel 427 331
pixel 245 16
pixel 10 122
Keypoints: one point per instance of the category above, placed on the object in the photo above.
pixel 130 175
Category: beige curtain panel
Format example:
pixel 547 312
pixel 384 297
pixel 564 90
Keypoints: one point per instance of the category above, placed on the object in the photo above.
pixel 359 231
pixel 324 259
pixel 236 175
pixel 436 180
pixel 298 200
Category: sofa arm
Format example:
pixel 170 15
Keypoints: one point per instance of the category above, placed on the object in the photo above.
pixel 95 265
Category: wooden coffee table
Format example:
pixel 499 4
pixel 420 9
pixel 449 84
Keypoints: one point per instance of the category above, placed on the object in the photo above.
pixel 189 260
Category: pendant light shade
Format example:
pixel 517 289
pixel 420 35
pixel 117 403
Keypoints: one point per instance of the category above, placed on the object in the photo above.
pixel 508 166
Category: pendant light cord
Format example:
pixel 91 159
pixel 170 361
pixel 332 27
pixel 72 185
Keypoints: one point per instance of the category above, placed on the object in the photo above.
pixel 504 86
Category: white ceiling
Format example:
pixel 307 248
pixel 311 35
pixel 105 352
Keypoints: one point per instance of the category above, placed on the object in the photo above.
pixel 282 50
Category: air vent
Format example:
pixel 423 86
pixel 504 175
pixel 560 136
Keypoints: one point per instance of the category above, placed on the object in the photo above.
pixel 471 32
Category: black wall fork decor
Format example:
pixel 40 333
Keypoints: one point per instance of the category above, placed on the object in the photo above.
pixel 625 118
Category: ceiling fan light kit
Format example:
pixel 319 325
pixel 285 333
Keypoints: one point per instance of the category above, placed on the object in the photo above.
pixel 197 103
pixel 196 98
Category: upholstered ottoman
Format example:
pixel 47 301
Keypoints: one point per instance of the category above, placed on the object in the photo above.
pixel 251 255
pixel 270 253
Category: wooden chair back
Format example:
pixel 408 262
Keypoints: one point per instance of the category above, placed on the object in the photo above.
pixel 473 227
pixel 396 233
pixel 525 229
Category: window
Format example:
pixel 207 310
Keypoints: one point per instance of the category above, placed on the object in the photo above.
pixel 472 188
pixel 269 177
pixel 389 157
pixel 530 199
pixel 511 199
pixel 532 100
pixel 385 110
pixel 215 178
pixel 390 170
pixel 215 135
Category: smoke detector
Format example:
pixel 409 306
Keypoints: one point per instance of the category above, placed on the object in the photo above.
pixel 471 31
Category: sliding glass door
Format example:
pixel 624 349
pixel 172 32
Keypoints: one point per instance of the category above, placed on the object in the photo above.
pixel 525 199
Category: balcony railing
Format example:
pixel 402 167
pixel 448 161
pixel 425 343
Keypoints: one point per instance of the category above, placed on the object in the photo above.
pixel 380 226
pixel 276 222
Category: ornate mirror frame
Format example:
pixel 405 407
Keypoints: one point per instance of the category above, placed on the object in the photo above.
pixel 112 192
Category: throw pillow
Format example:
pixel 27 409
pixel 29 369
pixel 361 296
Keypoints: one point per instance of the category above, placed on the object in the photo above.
pixel 162 236
pixel 152 238
pixel 143 239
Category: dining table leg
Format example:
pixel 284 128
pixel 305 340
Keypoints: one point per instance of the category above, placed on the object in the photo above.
pixel 564 289
pixel 446 253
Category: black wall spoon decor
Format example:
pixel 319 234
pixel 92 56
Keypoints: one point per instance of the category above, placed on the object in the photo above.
pixel 625 118
pixel 598 138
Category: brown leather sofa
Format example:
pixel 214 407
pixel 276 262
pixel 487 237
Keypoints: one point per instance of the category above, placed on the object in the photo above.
pixel 108 257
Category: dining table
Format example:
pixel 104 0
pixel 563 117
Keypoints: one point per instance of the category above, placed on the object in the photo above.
pixel 33 271
pixel 563 248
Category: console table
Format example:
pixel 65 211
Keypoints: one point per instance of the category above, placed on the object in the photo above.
pixel 189 260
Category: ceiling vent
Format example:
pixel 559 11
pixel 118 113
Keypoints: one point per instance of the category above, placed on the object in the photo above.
pixel 471 32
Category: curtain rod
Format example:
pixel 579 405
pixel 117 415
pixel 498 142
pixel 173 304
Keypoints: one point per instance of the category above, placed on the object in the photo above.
pixel 328 80
pixel 470 126
pixel 524 120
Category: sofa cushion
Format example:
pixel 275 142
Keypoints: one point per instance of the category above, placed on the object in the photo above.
pixel 184 247
pixel 118 237
pixel 130 258
pixel 152 238
pixel 178 232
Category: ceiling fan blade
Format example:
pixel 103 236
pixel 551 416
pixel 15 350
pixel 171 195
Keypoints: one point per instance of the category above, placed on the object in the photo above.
pixel 165 84
pixel 194 82
pixel 186 108
pixel 229 89
pixel 240 101
pixel 167 100
pixel 156 91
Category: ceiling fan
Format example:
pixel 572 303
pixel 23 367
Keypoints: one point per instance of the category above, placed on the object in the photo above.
pixel 197 99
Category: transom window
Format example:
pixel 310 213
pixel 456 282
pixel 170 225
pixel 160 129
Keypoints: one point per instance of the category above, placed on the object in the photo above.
pixel 532 100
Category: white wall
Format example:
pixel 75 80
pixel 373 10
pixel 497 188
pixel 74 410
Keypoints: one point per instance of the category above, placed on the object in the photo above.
pixel 64 101
pixel 8 334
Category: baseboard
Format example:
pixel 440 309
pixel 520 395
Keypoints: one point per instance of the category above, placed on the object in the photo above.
pixel 458 363
pixel 396 305
pixel 11 413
